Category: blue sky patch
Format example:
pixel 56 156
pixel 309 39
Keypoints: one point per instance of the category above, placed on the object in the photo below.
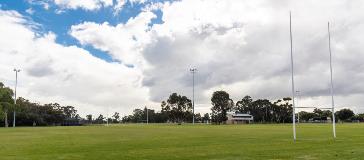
pixel 59 21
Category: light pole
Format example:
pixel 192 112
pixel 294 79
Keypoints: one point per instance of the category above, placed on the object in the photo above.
pixel 193 71
pixel 16 83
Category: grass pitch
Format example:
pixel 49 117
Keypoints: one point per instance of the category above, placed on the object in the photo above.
pixel 187 142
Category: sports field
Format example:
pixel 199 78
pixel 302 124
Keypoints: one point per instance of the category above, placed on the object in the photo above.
pixel 164 141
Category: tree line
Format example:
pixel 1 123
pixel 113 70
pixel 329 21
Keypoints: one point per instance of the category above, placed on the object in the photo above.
pixel 31 114
pixel 176 109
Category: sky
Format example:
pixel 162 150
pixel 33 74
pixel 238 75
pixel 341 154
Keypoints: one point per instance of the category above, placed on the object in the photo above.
pixel 105 56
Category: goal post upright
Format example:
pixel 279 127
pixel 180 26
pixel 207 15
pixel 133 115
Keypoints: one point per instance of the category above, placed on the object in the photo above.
pixel 331 84
pixel 293 86
pixel 293 90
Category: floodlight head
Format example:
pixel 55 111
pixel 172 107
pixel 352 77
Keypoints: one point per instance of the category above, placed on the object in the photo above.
pixel 193 69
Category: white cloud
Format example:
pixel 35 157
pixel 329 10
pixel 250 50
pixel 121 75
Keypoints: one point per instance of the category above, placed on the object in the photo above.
pixel 238 46
pixel 65 74
pixel 44 4
pixel 92 5
pixel 123 41
pixel 119 6
pixel 30 11
pixel 243 47
pixel 154 6
pixel 83 4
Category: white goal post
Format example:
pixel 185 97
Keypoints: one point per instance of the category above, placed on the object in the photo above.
pixel 293 88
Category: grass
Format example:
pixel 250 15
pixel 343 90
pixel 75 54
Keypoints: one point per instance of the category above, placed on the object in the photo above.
pixel 182 142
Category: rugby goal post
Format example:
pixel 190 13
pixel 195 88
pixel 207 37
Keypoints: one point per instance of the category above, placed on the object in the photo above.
pixel 293 87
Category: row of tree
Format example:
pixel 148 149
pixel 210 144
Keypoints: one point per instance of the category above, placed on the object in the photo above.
pixel 176 109
pixel 344 115
pixel 28 113
pixel 279 111
pixel 101 119
pixel 263 110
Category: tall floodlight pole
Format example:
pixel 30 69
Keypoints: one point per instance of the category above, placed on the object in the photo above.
pixel 293 102
pixel 193 71
pixel 332 85
pixel 16 84
pixel 298 100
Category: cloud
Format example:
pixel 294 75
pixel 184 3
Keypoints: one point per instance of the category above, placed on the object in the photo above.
pixel 83 4
pixel 94 5
pixel 154 6
pixel 44 4
pixel 69 75
pixel 123 41
pixel 241 47
pixel 30 11
pixel 238 46
pixel 119 6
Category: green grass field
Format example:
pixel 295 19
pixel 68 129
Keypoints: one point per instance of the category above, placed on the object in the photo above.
pixel 159 142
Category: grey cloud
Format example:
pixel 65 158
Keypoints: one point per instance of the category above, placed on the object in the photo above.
pixel 262 56
pixel 243 47
pixel 40 69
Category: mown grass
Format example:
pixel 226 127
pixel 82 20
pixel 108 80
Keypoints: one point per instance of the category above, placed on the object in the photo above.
pixel 160 142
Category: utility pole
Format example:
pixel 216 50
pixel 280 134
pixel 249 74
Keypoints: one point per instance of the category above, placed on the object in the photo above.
pixel 16 84
pixel 193 71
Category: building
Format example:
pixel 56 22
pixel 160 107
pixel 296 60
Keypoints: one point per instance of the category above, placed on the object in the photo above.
pixel 238 118
pixel 320 120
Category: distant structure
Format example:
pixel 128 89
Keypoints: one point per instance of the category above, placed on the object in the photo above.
pixel 239 118
pixel 320 120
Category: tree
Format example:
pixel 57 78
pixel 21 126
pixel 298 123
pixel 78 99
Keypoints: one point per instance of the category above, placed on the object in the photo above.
pixel 178 108
pixel 116 117
pixel 283 110
pixel 29 113
pixel 244 104
pixel 89 118
pixel 198 117
pixel 306 116
pixel 221 104
pixel 206 117
pixel 6 102
pixel 322 114
pixel 359 117
pixel 138 116
pixel 344 114
pixel 160 117
pixel 69 111
pixel 265 111
pixel 100 119
pixel 262 110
